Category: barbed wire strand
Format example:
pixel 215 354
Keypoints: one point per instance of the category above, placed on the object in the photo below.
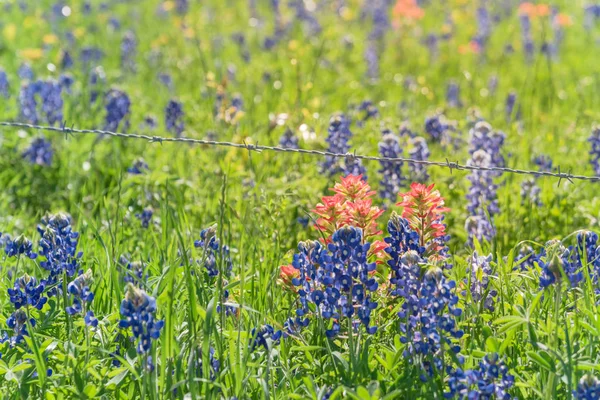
pixel 451 165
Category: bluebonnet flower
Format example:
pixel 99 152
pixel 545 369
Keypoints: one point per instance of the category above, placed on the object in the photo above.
pixel 27 292
pixel 182 6
pixel 479 271
pixel 18 323
pixel 59 247
pixel 264 336
pixel 526 35
pixel 79 290
pixel 174 117
pixel 530 191
pixel 527 258
pixel 484 27
pixel 480 227
pixel 28 102
pixel 115 25
pixel 490 380
pixel 138 312
pixel 432 43
pixel 90 56
pixel 336 280
pixel 419 151
pixel 338 137
pixel 166 80
pixel 594 141
pixel 453 95
pixel 306 16
pixel 212 250
pixel 591 16
pixel 511 100
pixel 436 127
pixel 372 60
pixel 405 131
pixel 369 111
pixel 25 72
pixel 354 166
pixel 138 167
pixel 128 51
pixel 215 364
pixel 66 81
pixel 97 78
pixel 145 217
pixel 136 273
pixel 66 61
pixel 485 149
pixel 4 84
pixel 50 92
pixel 392 177
pixel 21 245
pixel 429 310
pixel 543 162
pixel 288 140
pixel 149 122
pixel 117 110
pixel 240 39
pixel 588 387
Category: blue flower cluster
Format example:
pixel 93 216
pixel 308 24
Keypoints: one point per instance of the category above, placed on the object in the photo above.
pixel 483 202
pixel 369 110
pixel 419 151
pixel 215 364
pixel 213 254
pixel 59 247
pixel 145 217
pixel 4 84
pixel 118 108
pixel 39 152
pixel 26 292
pixel 135 272
pixel 18 323
pixel 479 272
pixel 211 250
pixel 97 78
pixel 79 290
pixel 591 15
pixel 25 72
pixel 453 95
pixel 527 37
pixel 594 140
pixel 428 314
pixel 511 101
pixel 90 56
pixel 138 312
pixel 49 93
pixel 288 140
pixel 138 167
pixel 128 51
pixel 484 27
pixel 339 135
pixel 490 380
pixel 21 245
pixel 557 260
pixel 266 337
pixel 392 177
pixel 354 166
pixel 588 387
pixel 174 117
pixel 334 282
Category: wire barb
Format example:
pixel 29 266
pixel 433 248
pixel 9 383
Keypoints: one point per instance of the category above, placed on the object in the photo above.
pixel 451 165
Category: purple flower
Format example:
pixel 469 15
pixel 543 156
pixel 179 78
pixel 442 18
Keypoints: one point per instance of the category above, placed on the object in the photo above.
pixel 39 152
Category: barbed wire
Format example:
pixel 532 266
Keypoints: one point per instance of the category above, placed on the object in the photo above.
pixel 451 165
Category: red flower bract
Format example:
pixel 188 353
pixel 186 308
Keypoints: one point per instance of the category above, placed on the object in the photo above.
pixel 424 209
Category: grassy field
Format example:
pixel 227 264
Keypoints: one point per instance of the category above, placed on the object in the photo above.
pixel 137 269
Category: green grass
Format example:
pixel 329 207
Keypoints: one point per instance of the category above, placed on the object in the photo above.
pixel 548 339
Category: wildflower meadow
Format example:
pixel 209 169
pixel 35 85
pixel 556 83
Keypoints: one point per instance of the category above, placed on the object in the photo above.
pixel 300 199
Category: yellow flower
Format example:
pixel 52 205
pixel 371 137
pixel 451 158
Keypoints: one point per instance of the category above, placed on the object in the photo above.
pixel 10 31
pixel 31 54
pixel 50 39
